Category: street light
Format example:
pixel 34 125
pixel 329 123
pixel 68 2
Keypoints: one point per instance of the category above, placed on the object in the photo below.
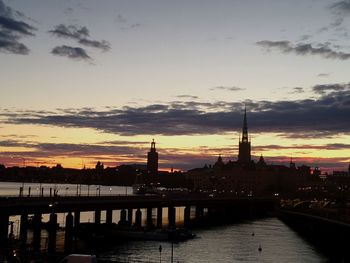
pixel 172 251
pixel 160 253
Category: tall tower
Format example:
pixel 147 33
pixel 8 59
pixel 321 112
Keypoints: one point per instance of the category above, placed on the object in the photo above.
pixel 244 143
pixel 152 160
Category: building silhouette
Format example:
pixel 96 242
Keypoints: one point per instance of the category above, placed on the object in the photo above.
pixel 246 177
pixel 244 156
pixel 152 160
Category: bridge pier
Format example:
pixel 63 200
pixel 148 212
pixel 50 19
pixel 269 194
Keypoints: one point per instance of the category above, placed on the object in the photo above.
pixel 138 218
pixel 149 218
pixel 97 217
pixel 68 235
pixel 199 212
pixel 76 219
pixel 4 229
pixel 122 217
pixel 212 213
pixel 23 230
pixel 159 217
pixel 130 216
pixel 187 216
pixel 52 233
pixel 109 216
pixel 171 216
pixel 36 232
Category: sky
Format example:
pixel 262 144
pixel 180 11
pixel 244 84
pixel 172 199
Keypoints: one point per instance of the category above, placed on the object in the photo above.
pixel 83 81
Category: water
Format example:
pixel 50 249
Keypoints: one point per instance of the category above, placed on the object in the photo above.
pixel 232 243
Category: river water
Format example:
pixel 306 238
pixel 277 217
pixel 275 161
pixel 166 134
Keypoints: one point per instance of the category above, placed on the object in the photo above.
pixel 231 243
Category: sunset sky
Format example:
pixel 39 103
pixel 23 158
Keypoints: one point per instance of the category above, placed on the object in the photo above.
pixel 83 81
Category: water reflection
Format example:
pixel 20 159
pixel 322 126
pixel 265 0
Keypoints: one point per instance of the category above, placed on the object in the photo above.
pixel 233 243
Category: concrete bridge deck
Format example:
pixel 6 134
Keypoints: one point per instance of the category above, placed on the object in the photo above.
pixel 30 205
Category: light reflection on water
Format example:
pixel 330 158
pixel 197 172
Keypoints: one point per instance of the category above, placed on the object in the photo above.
pixel 233 243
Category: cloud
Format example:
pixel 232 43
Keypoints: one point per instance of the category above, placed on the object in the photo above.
pixel 327 114
pixel 333 146
pixel 233 88
pixel 341 7
pixel 323 50
pixel 76 53
pixel 131 26
pixel 324 88
pixel 80 34
pixel 323 75
pixel 187 97
pixel 120 19
pixel 297 90
pixel 123 152
pixel 13 30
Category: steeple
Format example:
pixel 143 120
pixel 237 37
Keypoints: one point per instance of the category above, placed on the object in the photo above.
pixel 245 127
pixel 152 160
pixel 153 146
pixel 244 155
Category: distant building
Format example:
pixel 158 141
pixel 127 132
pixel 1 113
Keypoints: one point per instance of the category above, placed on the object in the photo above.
pixel 152 160
pixel 245 177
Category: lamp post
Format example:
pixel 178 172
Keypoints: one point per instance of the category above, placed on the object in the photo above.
pixel 172 251
pixel 160 253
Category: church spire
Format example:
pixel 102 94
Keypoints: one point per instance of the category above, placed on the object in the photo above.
pixel 244 155
pixel 245 127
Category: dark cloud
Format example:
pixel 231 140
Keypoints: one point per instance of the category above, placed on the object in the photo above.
pixel 187 97
pixel 302 49
pixel 70 31
pixel 333 146
pixel 13 30
pixel 297 90
pixel 324 88
pixel 328 114
pixel 233 88
pixel 103 45
pixel 341 7
pixel 76 53
pixel 80 34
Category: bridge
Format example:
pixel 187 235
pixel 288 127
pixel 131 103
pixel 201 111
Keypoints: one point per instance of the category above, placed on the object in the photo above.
pixel 220 207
